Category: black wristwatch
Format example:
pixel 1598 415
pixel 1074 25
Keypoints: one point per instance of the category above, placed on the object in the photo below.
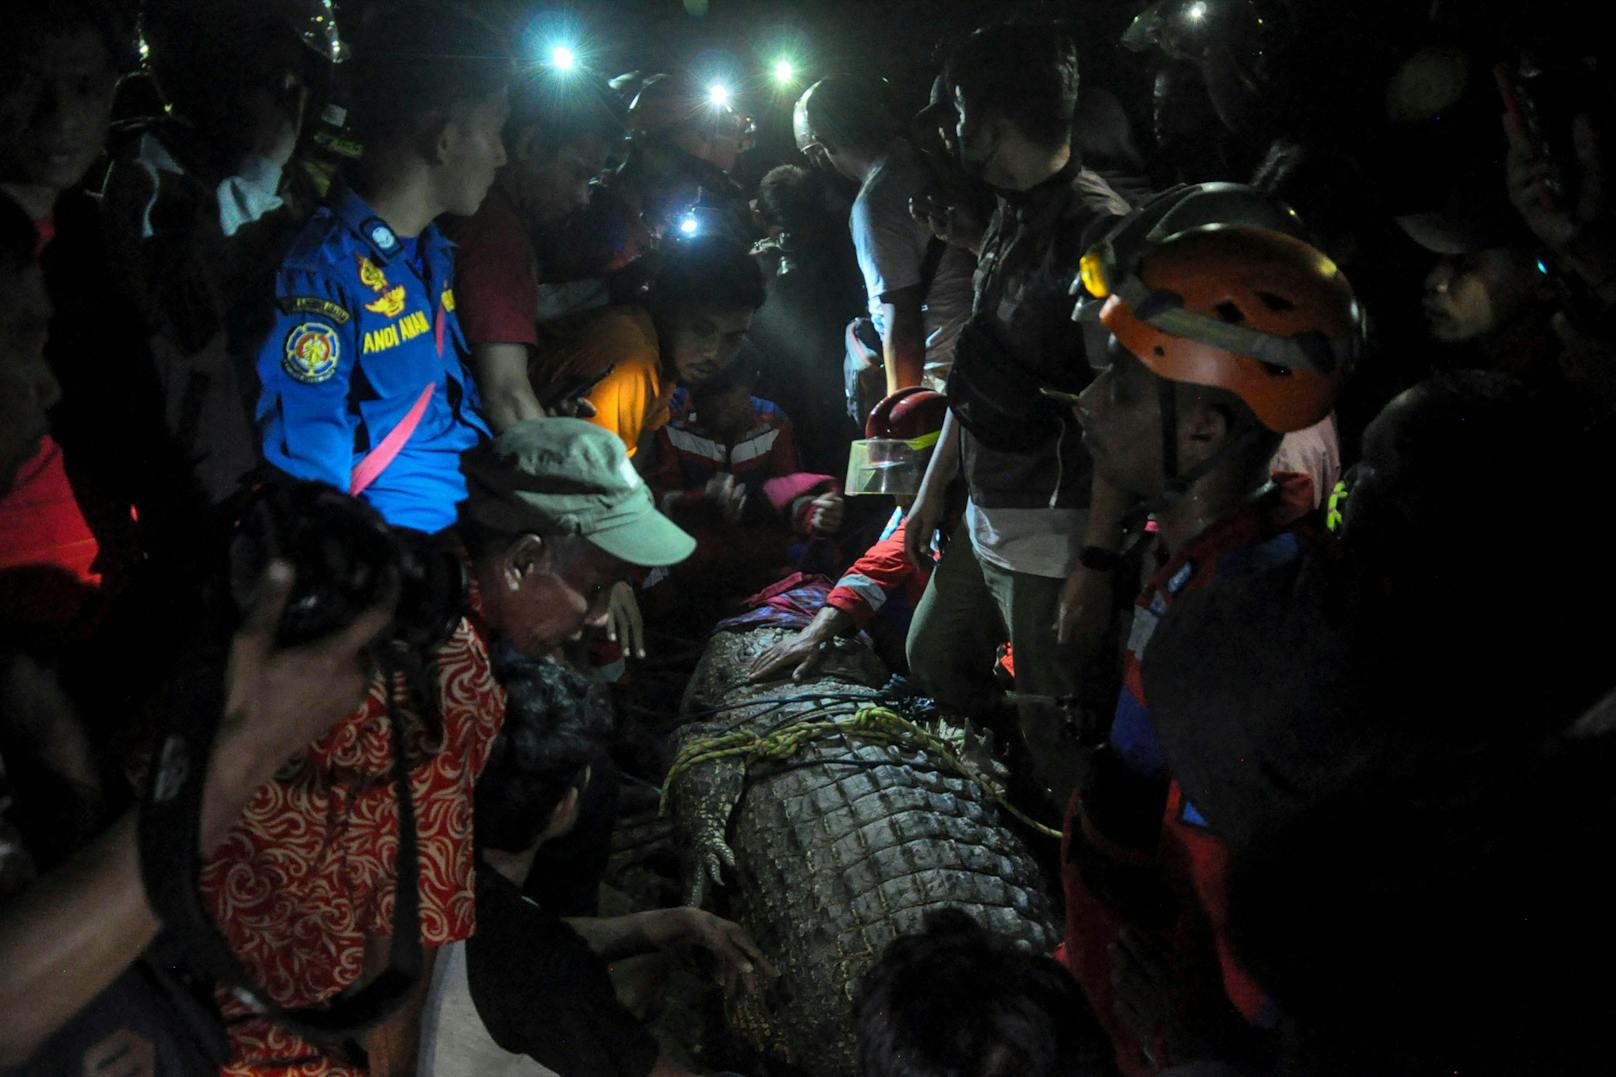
pixel 1098 558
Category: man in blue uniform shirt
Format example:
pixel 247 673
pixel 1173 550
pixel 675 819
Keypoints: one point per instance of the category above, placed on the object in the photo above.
pixel 363 379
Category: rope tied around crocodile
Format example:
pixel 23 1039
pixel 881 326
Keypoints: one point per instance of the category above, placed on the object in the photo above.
pixel 874 724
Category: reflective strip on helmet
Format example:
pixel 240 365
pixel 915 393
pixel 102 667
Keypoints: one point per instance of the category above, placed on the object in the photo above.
pixel 1162 311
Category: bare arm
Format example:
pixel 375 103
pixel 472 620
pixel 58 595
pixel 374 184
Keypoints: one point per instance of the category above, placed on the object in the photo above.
pixel 501 371
pixel 926 515
pixel 903 344
pixel 1085 603
pixel 614 937
pixel 1108 507
pixel 67 937
pixel 617 937
pixel 955 223
pixel 73 932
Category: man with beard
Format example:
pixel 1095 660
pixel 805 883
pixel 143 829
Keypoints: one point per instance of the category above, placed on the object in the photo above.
pixel 1024 466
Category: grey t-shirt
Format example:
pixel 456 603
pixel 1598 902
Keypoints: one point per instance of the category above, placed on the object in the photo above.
pixel 891 247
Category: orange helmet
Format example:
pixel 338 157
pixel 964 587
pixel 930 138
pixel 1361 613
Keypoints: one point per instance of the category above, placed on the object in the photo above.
pixel 1242 308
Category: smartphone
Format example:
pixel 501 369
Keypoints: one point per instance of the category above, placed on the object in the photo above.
pixel 567 391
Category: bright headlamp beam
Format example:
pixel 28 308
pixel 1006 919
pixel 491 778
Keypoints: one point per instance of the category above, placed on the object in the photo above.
pixel 785 72
pixel 563 58
pixel 718 95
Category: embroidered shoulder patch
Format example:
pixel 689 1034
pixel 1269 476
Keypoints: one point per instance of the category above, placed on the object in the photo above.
pixel 312 351
pixel 313 304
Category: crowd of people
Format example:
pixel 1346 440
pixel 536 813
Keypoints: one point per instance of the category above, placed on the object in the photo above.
pixel 374 405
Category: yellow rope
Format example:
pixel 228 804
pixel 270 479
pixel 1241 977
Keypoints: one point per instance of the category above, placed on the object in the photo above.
pixel 878 725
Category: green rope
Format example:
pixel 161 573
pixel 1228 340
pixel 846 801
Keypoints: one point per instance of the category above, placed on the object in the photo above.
pixel 877 725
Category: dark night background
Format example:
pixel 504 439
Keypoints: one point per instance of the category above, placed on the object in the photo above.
pixel 1337 89
pixel 739 41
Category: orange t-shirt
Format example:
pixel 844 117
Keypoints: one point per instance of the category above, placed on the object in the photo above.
pixel 633 400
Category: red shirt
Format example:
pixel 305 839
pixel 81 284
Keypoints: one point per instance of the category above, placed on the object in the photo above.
pixel 496 274
pixel 688 454
pixel 307 873
pixel 41 528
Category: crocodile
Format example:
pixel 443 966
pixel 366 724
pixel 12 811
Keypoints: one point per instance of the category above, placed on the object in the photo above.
pixel 829 855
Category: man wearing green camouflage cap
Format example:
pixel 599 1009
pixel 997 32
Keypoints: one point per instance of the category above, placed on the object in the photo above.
pixel 555 515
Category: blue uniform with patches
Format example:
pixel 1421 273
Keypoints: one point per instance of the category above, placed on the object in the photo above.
pixel 365 333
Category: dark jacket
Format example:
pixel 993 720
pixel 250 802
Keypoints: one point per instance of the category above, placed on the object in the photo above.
pixel 1024 276
pixel 542 992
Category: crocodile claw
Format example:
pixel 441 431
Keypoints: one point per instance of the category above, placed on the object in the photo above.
pixel 706 871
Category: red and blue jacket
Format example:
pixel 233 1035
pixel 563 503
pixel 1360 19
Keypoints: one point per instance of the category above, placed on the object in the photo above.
pixel 1134 823
pixel 882 582
pixel 764 459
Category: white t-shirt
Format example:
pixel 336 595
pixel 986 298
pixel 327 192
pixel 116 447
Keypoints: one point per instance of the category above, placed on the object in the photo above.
pixel 891 247
pixel 1034 542
pixel 1314 452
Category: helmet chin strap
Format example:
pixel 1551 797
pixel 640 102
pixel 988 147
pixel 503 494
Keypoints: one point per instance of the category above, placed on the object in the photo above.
pixel 1167 406
pixel 1175 485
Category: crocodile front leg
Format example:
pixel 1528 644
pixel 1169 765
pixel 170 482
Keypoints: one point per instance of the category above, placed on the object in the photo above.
pixel 703 798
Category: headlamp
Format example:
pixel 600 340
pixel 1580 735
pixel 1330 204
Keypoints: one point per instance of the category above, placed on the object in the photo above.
pixel 1092 272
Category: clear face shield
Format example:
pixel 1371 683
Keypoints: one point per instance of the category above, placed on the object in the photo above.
pixel 892 466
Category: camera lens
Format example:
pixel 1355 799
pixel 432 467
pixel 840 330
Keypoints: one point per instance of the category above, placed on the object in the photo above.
pixel 347 559
pixel 433 586
pixel 340 548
